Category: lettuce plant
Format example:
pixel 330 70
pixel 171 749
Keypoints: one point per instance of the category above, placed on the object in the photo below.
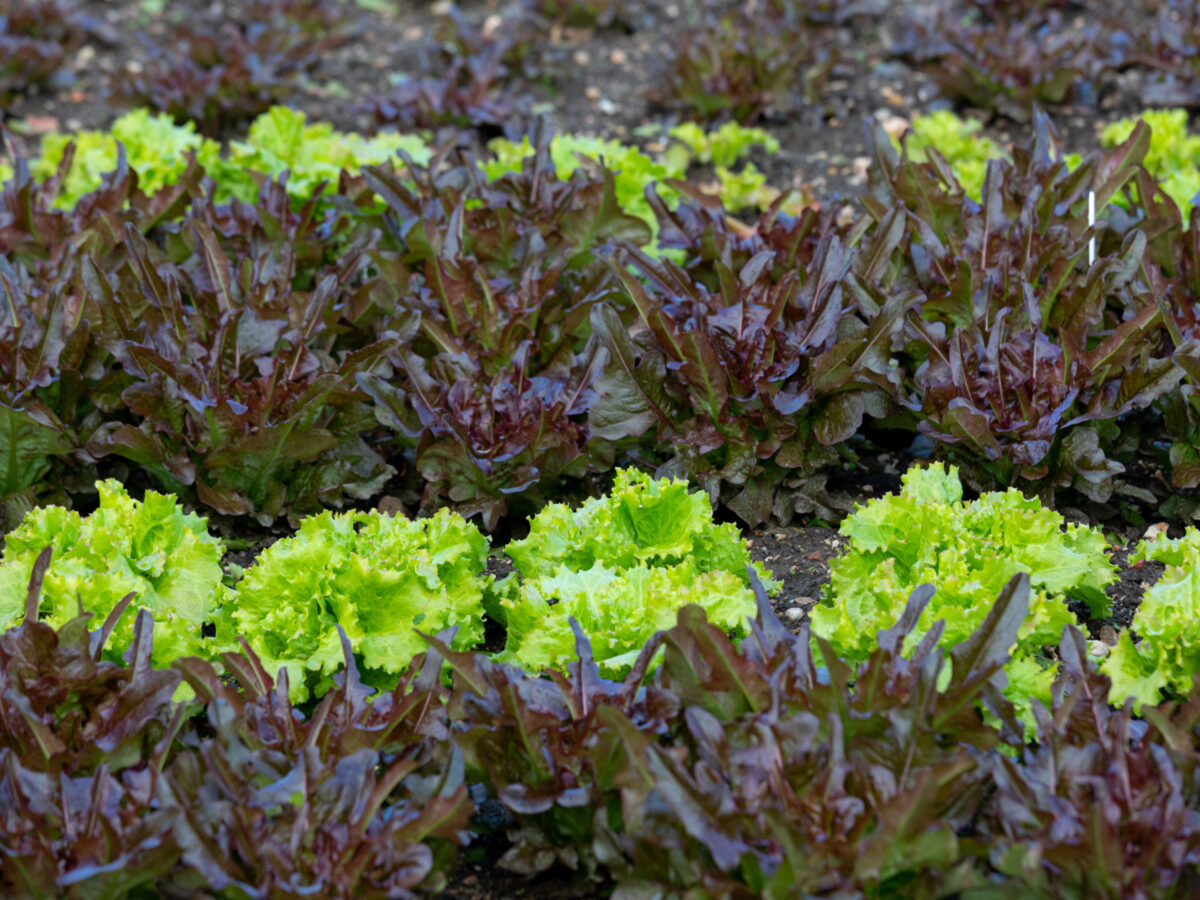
pixel 742 62
pixel 220 73
pixel 747 384
pixel 1021 358
pixel 958 141
pixel 155 148
pixel 282 139
pixel 279 140
pixel 1167 656
pixel 112 789
pixel 149 548
pixel 968 552
pixel 621 565
pixel 1163 41
pixel 468 77
pixel 494 281
pixel 723 146
pixel 36 39
pixel 372 577
pixel 634 170
pixel 43 348
pixel 1173 157
pixel 1007 65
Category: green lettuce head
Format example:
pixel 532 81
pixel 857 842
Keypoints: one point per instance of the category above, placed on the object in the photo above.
pixel 968 552
pixel 150 548
pixel 622 565
pixel 379 578
pixel 1168 655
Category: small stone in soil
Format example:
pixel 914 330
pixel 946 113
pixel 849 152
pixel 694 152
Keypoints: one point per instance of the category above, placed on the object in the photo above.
pixel 794 614
pixel 390 506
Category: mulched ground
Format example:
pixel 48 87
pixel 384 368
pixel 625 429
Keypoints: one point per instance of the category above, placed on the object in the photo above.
pixel 602 78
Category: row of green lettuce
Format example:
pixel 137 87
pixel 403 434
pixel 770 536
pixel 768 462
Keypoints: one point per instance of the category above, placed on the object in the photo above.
pixel 1173 158
pixel 282 140
pixel 621 565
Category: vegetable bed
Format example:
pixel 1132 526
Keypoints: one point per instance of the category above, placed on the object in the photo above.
pixel 599 448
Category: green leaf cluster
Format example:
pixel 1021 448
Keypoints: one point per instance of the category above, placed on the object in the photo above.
pixel 150 548
pixel 958 141
pixel 1168 655
pixel 622 565
pixel 968 551
pixel 377 577
pixel 278 140
pixel 725 146
pixel 634 169
pixel 1173 156
pixel 155 148
pixel 282 140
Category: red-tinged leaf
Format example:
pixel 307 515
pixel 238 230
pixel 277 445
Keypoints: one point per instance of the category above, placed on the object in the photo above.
pixel 1115 169
pixel 29 439
pixel 983 654
pixel 891 640
pixel 36 577
pixel 110 623
pixel 248 671
pixel 705 668
pixel 200 676
pixel 911 834
pixel 690 806
pixel 464 665
pixel 631 397
pixel 840 417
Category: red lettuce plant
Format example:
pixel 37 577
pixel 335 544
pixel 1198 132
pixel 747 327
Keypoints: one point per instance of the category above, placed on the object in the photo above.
pixel 36 39
pixel 1100 804
pixel 44 342
pixel 746 385
pixel 1018 344
pixel 1161 38
pixel 1008 64
pixel 1172 266
pixel 231 373
pixel 221 74
pixel 744 63
pixel 495 283
pixel 111 787
pixel 703 229
pixel 364 797
pixel 473 78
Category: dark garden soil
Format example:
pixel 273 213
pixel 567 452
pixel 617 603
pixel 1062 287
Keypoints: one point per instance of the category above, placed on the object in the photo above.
pixel 600 82
pixel 602 78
